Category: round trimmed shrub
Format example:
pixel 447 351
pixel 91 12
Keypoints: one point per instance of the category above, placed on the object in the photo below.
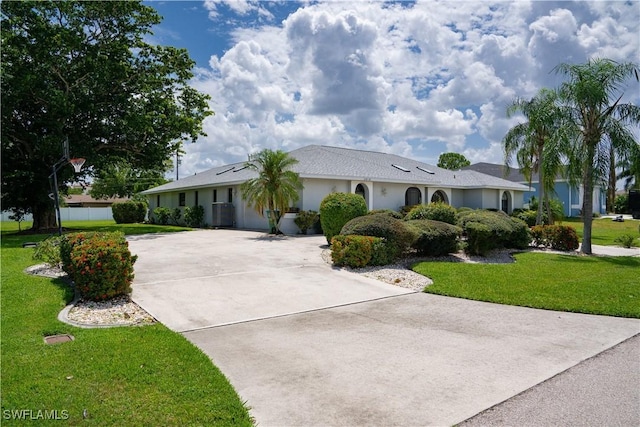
pixel 391 213
pixel 336 209
pixel 101 266
pixel 129 212
pixel 435 238
pixel 396 234
pixel 488 230
pixel 435 211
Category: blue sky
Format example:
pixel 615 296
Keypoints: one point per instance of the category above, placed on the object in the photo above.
pixel 411 78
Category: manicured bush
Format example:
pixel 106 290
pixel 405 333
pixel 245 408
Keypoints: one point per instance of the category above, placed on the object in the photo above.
pixel 503 231
pixel 176 214
pixel 526 215
pixel 479 238
pixel 305 220
pixel 391 213
pixel 129 212
pixel 336 209
pixel 621 204
pixel 435 238
pixel 162 215
pixel 101 266
pixel 558 237
pixel 352 251
pixel 396 234
pixel 194 216
pixel 435 211
pixel 48 251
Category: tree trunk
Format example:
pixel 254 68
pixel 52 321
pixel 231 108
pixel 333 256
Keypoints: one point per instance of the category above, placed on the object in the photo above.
pixel 611 189
pixel 587 200
pixel 541 179
pixel 44 218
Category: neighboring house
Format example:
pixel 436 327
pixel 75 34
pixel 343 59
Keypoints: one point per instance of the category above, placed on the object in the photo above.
pixel 570 196
pixel 386 181
pixel 86 201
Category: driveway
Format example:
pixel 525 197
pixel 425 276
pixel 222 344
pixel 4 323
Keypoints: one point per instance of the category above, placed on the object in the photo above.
pixel 305 344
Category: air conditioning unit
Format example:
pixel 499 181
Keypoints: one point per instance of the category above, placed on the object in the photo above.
pixel 223 215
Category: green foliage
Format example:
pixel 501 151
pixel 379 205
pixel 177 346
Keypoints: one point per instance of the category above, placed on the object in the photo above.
pixel 352 251
pixel 99 84
pixel 557 209
pixel 452 161
pixel 129 212
pixel 176 214
pixel 390 212
pixel 121 180
pixel 548 281
pixel 305 220
pixel 396 234
pixel 487 230
pixel 626 240
pixel 101 267
pixel 48 250
pixel 194 216
pixel 558 237
pixel 336 209
pixel 275 188
pixel 434 238
pixel 162 215
pixel 435 211
pixel 527 215
pixel 621 204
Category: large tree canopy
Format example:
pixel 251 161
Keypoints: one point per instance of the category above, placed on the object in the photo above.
pixel 82 71
pixel 452 161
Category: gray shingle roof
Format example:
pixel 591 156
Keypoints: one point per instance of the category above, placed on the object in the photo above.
pixel 316 161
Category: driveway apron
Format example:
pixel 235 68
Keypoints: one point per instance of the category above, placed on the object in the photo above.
pixel 366 353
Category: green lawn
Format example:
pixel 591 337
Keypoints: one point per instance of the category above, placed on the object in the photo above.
pixel 605 231
pixel 144 375
pixel 597 285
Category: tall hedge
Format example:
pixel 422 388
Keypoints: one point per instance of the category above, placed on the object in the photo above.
pixel 434 211
pixel 336 209
pixel 129 212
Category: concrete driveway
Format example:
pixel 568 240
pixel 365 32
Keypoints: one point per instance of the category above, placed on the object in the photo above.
pixel 305 344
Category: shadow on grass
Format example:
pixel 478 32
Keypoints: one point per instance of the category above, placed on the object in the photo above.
pixel 623 261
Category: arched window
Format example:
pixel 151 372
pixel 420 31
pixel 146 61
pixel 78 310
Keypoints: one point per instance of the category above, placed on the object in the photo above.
pixel 505 202
pixel 360 190
pixel 439 197
pixel 412 196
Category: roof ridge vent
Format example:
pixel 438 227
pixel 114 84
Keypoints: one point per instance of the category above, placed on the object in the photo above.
pixel 226 170
pixel 426 170
pixel 403 169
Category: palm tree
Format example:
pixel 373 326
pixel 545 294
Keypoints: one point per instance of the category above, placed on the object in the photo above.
pixel 597 121
pixel 630 169
pixel 536 143
pixel 275 187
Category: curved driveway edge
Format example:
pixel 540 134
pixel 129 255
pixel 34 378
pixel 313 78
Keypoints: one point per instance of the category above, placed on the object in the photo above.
pixel 387 357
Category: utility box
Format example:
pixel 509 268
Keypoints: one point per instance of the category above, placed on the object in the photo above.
pixel 223 215
pixel 634 203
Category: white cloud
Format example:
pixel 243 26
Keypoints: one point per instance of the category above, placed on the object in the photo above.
pixel 410 79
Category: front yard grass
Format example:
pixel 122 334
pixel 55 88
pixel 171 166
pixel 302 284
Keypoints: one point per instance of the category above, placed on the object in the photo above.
pixel 144 375
pixel 597 285
pixel 605 231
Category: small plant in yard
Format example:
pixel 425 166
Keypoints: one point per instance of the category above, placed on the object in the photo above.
pixel 305 220
pixel 194 216
pixel 162 215
pixel 626 240
pixel 558 237
pixel 48 251
pixel 176 214
pixel 100 264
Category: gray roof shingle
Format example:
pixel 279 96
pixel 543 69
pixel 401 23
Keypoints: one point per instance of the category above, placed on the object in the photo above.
pixel 316 161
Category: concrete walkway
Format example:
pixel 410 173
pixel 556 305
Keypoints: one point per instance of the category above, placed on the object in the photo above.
pixel 332 348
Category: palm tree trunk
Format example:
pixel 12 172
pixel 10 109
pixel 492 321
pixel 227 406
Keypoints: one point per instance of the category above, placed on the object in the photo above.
pixel 611 189
pixel 541 184
pixel 587 200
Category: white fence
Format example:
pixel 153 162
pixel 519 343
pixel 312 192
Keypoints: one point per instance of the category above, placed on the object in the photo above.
pixel 74 214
